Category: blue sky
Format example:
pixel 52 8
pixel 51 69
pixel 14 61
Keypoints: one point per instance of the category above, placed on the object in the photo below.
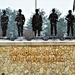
pixel 28 6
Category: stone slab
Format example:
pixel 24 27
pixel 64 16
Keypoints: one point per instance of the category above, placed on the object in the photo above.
pixel 36 43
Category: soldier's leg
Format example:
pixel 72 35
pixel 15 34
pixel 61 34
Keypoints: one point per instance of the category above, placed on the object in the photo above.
pixel 18 30
pixel 68 29
pixel 55 28
pixel 2 28
pixel 38 32
pixel 5 30
pixel 51 29
pixel 21 30
pixel 72 30
pixel 35 32
pixel 2 31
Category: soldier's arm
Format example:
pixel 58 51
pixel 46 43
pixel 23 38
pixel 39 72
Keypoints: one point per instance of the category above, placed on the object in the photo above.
pixel 41 19
pixel 49 17
pixel 1 18
pixel 73 19
pixel 33 19
pixel 16 19
pixel 23 17
pixel 7 18
pixel 56 16
pixel 66 17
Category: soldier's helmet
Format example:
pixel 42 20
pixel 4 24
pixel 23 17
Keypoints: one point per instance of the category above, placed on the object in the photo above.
pixel 4 11
pixel 20 10
pixel 37 10
pixel 70 11
pixel 53 10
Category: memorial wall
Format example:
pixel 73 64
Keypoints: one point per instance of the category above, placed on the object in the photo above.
pixel 37 37
pixel 37 58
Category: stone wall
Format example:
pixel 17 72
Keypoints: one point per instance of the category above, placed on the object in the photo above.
pixel 37 60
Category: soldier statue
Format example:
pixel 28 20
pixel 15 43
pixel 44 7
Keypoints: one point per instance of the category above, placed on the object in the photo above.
pixel 37 23
pixel 20 18
pixel 4 23
pixel 70 21
pixel 53 17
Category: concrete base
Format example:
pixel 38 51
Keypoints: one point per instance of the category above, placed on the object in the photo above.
pixel 37 58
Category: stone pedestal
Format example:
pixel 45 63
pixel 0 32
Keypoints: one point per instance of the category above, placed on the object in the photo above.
pixel 37 58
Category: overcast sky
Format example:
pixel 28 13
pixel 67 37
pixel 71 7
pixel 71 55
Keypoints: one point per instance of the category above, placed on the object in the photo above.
pixel 28 6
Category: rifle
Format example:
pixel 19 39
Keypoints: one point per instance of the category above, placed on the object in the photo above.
pixel 70 20
pixel 4 22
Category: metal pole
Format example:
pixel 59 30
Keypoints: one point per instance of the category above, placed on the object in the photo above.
pixel 35 4
pixel 73 5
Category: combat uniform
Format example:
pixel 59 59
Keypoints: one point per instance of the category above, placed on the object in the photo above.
pixel 70 21
pixel 37 23
pixel 4 23
pixel 20 22
pixel 53 17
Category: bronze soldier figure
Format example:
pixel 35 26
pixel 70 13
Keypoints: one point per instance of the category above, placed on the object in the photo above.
pixel 4 23
pixel 70 21
pixel 20 18
pixel 37 23
pixel 53 17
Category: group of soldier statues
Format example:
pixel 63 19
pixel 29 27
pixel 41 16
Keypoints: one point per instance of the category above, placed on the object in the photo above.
pixel 53 17
pixel 20 19
pixel 37 22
